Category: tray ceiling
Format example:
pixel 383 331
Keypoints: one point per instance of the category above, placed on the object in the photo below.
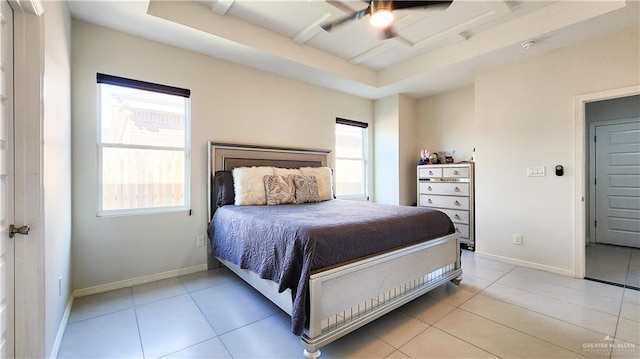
pixel 434 50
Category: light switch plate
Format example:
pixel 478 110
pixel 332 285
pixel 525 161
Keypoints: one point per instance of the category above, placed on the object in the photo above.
pixel 535 171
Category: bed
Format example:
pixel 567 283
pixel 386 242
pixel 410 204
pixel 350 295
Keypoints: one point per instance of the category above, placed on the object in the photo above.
pixel 395 253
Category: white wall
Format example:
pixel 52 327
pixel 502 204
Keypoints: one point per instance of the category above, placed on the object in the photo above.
pixel 56 161
pixel 386 151
pixel 524 116
pixel 395 150
pixel 447 122
pixel 408 149
pixel 230 103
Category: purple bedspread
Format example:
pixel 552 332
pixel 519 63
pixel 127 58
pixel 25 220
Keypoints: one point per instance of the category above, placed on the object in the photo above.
pixel 285 243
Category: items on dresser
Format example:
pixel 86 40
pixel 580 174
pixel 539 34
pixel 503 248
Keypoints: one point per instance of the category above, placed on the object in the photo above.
pixel 449 188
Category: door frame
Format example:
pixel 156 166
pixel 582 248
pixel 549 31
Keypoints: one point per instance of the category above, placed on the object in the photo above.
pixel 580 142
pixel 592 168
pixel 28 111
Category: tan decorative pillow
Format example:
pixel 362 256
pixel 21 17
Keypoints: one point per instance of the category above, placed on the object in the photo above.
pixel 306 189
pixel 324 178
pixel 248 184
pixel 279 189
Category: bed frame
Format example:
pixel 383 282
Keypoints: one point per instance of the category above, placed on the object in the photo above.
pixel 347 297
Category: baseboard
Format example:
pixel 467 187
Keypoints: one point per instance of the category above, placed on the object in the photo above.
pixel 139 280
pixel 61 329
pixel 522 263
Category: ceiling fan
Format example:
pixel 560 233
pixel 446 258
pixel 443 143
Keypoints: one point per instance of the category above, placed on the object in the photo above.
pixel 381 13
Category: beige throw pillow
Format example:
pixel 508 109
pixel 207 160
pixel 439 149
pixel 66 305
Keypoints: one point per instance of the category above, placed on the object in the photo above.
pixel 324 178
pixel 248 184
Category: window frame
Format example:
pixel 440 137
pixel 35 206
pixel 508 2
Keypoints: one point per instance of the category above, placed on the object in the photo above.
pixel 103 79
pixel 364 158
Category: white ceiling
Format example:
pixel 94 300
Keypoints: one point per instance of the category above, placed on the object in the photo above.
pixel 434 51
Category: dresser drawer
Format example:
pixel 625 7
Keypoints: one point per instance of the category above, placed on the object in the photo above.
pixel 426 172
pixel 452 202
pixel 452 188
pixel 456 172
pixel 457 216
pixel 463 229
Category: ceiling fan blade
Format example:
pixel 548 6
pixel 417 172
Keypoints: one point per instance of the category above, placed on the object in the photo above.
pixel 339 5
pixel 355 16
pixel 389 32
pixel 402 4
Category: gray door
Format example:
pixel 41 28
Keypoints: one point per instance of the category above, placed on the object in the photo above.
pixel 617 189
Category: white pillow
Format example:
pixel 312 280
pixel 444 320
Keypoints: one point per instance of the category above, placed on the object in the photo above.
pixel 286 171
pixel 248 184
pixel 324 178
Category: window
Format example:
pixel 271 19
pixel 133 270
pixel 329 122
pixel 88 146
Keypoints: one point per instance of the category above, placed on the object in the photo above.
pixel 351 159
pixel 143 147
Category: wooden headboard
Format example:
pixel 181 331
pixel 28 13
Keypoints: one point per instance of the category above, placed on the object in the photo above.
pixel 227 156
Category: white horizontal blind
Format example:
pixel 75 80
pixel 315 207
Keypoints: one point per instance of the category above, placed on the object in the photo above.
pixel 143 147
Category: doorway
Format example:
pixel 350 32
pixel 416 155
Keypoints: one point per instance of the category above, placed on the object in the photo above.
pixel 612 252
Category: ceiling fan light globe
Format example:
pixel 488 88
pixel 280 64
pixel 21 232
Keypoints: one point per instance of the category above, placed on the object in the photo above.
pixel 381 18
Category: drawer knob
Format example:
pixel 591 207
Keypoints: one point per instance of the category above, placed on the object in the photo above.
pixel 455 173
pixel 429 188
pixel 456 203
pixel 456 216
pixel 457 189
pixel 430 172
pixel 429 200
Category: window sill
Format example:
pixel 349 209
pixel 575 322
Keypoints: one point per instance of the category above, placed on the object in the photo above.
pixel 142 211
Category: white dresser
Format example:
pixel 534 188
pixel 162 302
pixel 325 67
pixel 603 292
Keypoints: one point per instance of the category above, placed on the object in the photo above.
pixel 449 188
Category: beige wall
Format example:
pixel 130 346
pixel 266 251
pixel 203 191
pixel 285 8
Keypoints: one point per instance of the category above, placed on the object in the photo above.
pixel 56 162
pixel 408 149
pixel 447 122
pixel 522 115
pixel 229 103
pixel 386 151
pixel 395 153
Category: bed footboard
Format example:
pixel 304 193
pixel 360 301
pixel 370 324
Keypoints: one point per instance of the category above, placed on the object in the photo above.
pixel 346 298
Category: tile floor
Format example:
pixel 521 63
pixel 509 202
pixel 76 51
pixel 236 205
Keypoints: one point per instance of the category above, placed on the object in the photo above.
pixel 499 311
pixel 613 264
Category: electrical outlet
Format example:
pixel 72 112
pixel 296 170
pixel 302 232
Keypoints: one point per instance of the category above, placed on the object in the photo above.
pixel 517 239
pixel 200 241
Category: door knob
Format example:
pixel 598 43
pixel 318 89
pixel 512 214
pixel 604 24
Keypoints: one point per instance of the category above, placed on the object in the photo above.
pixel 13 230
